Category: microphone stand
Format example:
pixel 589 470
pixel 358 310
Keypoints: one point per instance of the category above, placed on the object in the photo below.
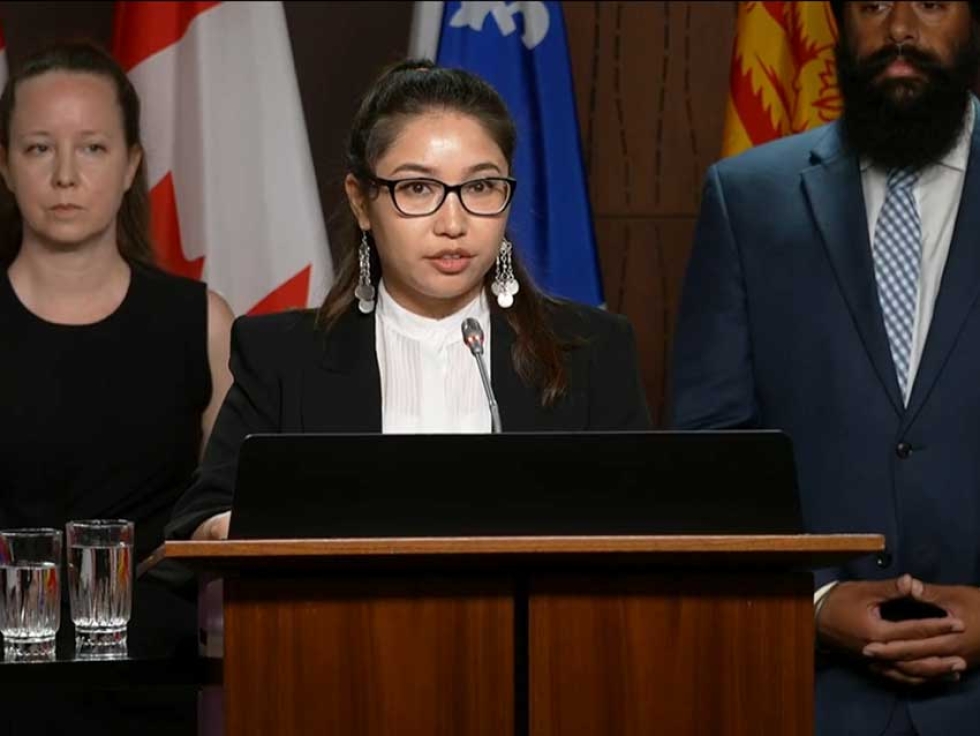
pixel 473 337
pixel 494 410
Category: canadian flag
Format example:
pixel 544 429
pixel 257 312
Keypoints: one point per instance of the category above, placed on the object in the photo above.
pixel 233 193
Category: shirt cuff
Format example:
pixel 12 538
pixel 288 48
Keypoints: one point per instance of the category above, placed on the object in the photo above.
pixel 821 592
pixel 818 601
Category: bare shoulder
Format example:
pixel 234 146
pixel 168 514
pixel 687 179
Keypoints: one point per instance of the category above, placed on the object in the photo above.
pixel 220 314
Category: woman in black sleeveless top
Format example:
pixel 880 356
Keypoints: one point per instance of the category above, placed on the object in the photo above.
pixel 111 370
pixel 103 419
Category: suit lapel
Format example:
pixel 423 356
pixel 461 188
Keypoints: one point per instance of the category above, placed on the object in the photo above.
pixel 343 392
pixel 520 406
pixel 960 284
pixel 833 188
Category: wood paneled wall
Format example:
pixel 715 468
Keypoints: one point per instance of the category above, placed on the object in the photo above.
pixel 651 83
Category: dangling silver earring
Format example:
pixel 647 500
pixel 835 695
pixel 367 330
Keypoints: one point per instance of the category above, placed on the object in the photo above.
pixel 365 290
pixel 504 285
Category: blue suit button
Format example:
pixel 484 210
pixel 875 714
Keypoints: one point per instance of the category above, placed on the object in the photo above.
pixel 884 560
pixel 903 450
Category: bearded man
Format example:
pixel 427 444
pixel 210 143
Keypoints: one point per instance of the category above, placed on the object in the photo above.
pixel 833 292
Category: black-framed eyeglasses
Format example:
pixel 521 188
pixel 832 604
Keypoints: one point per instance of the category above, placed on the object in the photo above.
pixel 419 196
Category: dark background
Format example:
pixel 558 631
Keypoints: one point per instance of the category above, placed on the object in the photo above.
pixel 651 80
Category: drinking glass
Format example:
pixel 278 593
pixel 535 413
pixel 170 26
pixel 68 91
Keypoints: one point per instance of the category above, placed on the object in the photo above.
pixel 30 606
pixel 100 584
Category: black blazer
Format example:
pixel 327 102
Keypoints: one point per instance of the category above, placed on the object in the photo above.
pixel 291 377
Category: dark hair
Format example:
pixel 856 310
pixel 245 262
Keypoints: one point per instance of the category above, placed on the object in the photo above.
pixel 84 57
pixel 838 7
pixel 404 91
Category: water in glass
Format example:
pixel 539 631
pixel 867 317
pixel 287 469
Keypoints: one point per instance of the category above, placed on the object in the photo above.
pixel 30 611
pixel 100 581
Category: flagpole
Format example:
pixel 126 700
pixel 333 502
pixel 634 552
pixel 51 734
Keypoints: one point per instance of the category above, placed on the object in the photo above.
pixel 423 40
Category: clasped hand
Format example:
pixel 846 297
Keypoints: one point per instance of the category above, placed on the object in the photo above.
pixel 912 652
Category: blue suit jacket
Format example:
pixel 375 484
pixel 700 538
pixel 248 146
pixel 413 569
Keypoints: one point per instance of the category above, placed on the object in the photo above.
pixel 780 327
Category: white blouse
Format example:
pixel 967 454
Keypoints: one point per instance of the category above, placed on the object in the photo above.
pixel 430 383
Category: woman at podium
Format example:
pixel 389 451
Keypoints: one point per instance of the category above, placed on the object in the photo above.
pixel 432 324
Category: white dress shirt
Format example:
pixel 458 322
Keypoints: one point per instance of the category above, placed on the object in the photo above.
pixel 430 383
pixel 937 195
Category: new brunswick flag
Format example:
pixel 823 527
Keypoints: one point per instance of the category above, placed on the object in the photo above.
pixel 783 77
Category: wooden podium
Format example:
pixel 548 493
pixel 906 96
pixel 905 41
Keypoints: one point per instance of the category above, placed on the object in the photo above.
pixel 525 635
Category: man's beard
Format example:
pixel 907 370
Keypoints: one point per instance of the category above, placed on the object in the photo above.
pixel 905 123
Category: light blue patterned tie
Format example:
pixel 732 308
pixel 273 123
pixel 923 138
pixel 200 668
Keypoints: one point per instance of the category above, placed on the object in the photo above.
pixel 897 252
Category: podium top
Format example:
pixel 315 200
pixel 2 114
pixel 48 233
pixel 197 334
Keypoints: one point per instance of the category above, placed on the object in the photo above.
pixel 367 486
pixel 804 550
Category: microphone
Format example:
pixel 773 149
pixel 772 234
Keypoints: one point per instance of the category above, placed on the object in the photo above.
pixel 473 337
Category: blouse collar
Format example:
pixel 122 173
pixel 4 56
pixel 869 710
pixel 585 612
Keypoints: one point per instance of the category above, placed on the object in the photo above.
pixel 435 332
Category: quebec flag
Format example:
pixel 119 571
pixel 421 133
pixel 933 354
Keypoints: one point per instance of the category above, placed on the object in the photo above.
pixel 520 48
